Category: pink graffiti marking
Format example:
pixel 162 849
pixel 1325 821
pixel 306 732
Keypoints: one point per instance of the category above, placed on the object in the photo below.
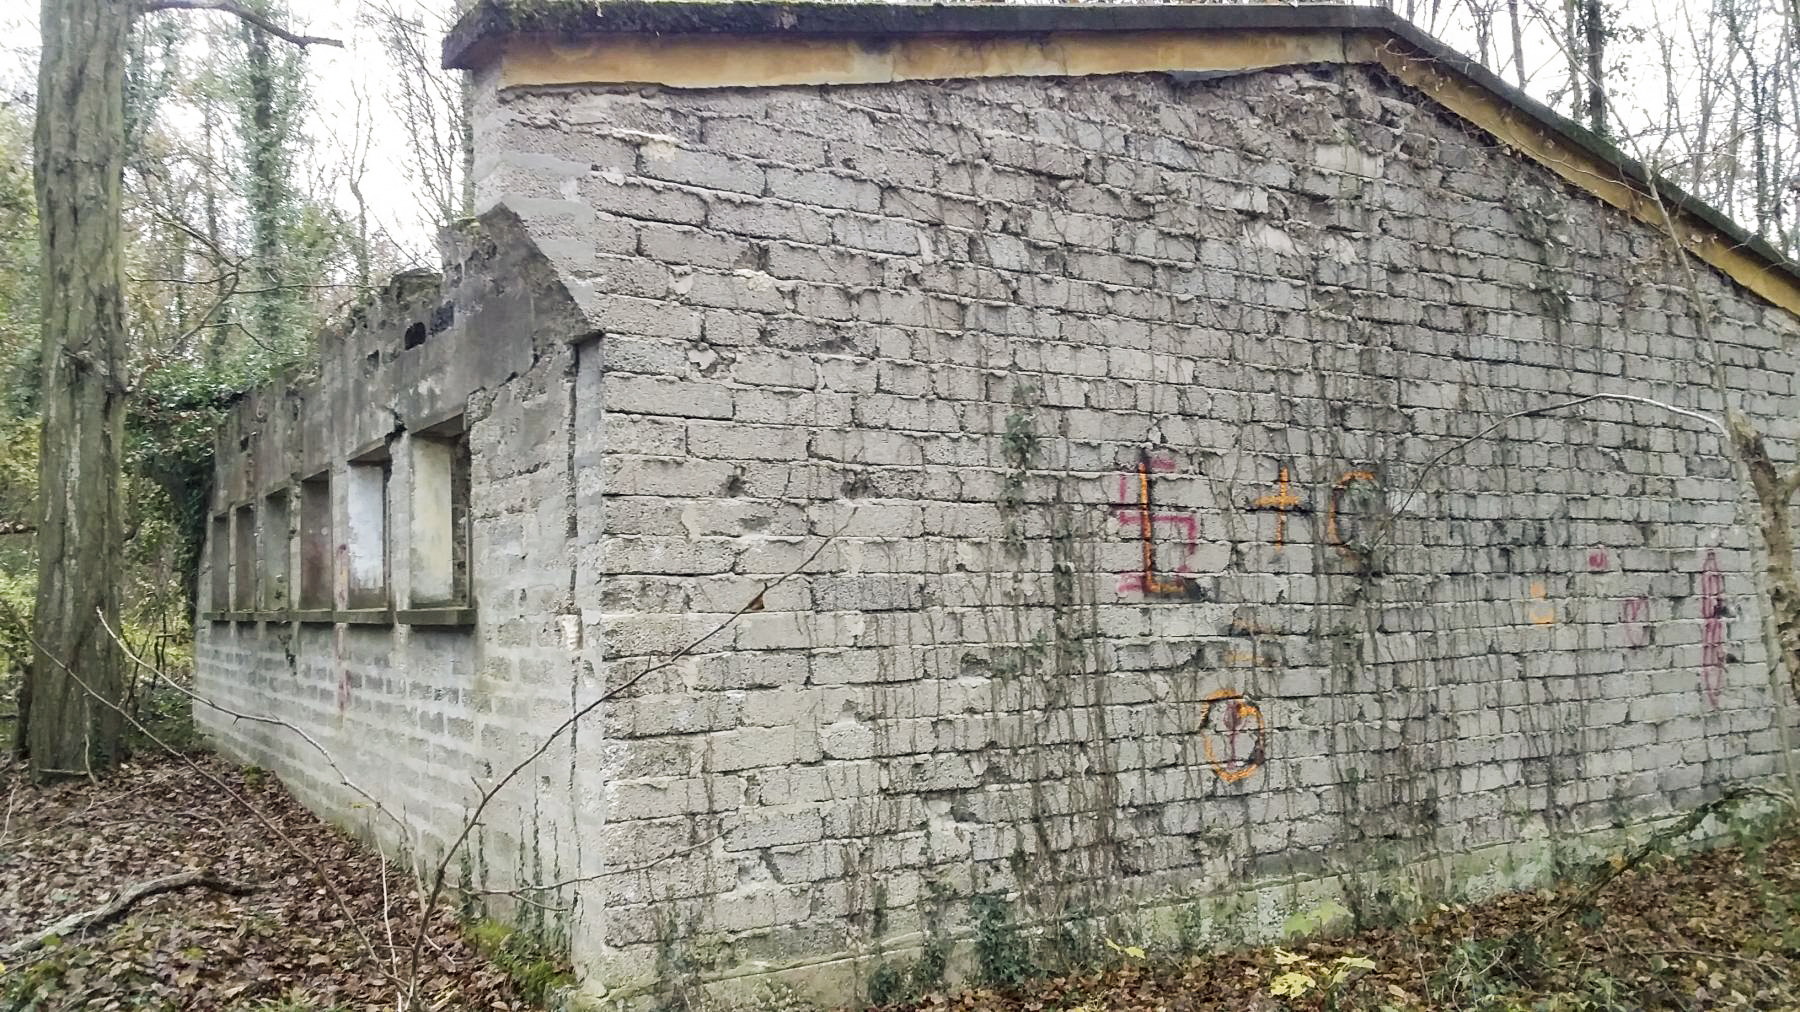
pixel 1137 510
pixel 1160 463
pixel 1712 644
pixel 1598 561
pixel 1634 613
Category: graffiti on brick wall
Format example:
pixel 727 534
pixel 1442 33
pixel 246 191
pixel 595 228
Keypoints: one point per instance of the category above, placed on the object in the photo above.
pixel 1539 609
pixel 1712 616
pixel 1634 615
pixel 1233 735
pixel 1166 540
pixel 1354 502
pixel 1282 502
pixel 1253 653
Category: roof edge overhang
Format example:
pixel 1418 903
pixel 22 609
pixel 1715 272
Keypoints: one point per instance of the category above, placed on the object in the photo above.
pixel 768 44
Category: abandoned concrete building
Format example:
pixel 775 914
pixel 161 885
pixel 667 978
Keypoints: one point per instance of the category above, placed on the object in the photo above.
pixel 1087 473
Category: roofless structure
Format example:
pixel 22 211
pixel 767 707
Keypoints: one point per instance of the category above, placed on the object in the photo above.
pixel 1005 471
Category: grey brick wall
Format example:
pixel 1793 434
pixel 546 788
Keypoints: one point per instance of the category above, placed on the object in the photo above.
pixel 410 709
pixel 948 323
pixel 1163 578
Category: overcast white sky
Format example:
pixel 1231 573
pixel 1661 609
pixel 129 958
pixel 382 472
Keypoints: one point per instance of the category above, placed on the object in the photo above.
pixel 350 86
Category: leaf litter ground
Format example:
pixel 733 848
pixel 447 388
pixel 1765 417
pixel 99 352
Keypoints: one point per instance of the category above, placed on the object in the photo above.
pixel 1719 929
pixel 71 846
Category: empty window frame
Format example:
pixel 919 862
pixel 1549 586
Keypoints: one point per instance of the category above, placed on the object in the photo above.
pixel 365 538
pixel 438 549
pixel 277 540
pixel 316 550
pixel 243 559
pixel 221 562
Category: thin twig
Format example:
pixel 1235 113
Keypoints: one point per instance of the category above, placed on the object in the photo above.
pixel 474 818
pixel 1487 430
pixel 242 13
pixel 564 883
pixel 237 715
pixel 12 798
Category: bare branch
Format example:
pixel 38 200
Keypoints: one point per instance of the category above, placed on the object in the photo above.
pixel 121 904
pixel 242 13
pixel 519 892
pixel 200 700
pixel 474 818
pixel 1501 422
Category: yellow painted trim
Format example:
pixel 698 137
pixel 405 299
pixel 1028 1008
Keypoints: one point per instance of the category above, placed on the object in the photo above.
pixel 727 61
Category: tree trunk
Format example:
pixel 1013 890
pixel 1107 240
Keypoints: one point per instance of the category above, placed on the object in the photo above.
pixel 1571 48
pixel 79 160
pixel 218 336
pixel 1518 42
pixel 266 196
pixel 1594 26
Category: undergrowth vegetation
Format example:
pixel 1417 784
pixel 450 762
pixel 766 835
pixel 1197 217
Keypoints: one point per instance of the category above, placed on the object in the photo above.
pixel 1660 928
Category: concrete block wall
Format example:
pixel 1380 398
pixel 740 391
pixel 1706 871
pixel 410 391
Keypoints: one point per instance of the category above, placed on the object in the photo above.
pixel 385 715
pixel 1128 444
pixel 1065 497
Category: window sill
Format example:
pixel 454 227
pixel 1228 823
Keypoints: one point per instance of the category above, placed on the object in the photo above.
pixel 443 618
pixel 364 616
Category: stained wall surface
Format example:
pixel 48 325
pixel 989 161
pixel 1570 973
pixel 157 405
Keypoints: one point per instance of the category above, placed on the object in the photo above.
pixel 1060 497
pixel 382 700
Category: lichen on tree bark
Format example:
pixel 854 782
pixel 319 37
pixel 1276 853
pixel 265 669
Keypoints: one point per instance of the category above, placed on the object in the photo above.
pixel 79 161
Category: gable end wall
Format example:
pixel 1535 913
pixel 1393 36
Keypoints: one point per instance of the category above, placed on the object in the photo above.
pixel 966 329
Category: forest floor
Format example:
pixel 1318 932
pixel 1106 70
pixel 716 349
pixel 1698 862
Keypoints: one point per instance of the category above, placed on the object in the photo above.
pixel 292 945
pixel 1717 929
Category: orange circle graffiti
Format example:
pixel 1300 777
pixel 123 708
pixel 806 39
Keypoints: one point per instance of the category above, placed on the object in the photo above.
pixel 1243 711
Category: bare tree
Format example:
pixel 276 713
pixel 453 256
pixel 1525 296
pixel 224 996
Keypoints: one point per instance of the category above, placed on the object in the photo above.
pixel 1593 32
pixel 432 105
pixel 80 145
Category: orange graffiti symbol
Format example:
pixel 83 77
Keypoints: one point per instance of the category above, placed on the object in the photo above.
pixel 1540 614
pixel 1282 501
pixel 1152 585
pixel 1331 516
pixel 1240 715
pixel 1236 657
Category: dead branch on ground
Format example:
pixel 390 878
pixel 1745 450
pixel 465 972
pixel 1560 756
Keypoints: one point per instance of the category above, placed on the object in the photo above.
pixel 121 904
pixel 237 798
